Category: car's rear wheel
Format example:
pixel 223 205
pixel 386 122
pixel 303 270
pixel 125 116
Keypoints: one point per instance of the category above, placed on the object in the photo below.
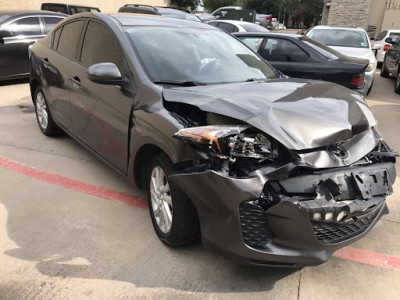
pixel 173 215
pixel 397 84
pixel 384 71
pixel 43 116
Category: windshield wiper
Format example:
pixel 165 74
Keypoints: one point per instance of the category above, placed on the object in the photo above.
pixel 180 83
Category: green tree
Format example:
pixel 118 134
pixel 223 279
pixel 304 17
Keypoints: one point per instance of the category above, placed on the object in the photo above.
pixel 192 4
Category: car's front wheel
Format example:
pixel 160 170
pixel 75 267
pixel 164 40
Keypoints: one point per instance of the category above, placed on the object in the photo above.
pixel 173 215
pixel 43 116
pixel 397 84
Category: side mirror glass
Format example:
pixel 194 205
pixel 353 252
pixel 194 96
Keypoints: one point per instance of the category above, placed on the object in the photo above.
pixel 389 40
pixel 105 73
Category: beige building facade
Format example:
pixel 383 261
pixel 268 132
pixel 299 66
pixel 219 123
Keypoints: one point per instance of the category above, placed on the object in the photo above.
pixel 372 15
pixel 108 6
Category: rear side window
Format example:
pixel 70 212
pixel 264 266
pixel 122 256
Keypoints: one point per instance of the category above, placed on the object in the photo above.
pixel 282 50
pixel 56 37
pixel 100 45
pixel 381 36
pixel 69 39
pixel 228 27
pixel 25 26
pixel 51 22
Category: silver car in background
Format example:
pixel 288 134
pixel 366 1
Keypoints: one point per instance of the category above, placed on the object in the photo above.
pixel 351 42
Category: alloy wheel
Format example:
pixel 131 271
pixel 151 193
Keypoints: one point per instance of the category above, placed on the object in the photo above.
pixel 41 111
pixel 161 201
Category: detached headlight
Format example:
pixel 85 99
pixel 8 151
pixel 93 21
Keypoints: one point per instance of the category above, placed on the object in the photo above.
pixel 232 142
pixel 370 67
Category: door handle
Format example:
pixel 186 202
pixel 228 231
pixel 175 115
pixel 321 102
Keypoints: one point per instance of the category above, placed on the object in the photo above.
pixel 45 62
pixel 76 82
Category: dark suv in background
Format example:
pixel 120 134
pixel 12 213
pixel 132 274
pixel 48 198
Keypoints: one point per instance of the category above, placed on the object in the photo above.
pixel 18 30
pixel 391 62
pixel 68 9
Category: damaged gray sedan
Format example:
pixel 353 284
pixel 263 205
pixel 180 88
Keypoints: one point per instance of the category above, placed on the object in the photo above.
pixel 268 170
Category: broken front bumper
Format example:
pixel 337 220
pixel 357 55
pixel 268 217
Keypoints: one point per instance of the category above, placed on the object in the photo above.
pixel 301 220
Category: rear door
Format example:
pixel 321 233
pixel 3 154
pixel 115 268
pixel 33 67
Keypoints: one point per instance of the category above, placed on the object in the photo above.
pixel 101 113
pixel 14 58
pixel 57 65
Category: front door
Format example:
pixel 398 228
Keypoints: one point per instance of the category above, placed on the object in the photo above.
pixel 101 113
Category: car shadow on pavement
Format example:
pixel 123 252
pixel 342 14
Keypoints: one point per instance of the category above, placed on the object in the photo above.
pixel 70 247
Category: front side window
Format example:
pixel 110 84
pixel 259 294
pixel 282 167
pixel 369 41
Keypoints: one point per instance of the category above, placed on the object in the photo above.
pixel 69 39
pixel 100 45
pixel 25 26
pixel 340 37
pixel 253 43
pixel 206 56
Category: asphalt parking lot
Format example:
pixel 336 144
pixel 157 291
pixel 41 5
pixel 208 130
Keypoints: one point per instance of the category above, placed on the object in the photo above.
pixel 71 228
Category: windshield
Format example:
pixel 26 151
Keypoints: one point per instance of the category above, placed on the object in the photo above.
pixel 325 51
pixel 340 37
pixel 196 55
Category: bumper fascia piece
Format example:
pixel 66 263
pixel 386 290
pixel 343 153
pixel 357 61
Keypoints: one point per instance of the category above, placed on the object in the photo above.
pixel 293 243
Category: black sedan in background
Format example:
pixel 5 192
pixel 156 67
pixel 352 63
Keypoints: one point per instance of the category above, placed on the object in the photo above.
pixel 301 57
pixel 18 30
pixel 269 170
pixel 391 62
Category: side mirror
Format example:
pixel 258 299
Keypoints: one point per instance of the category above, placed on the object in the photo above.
pixel 5 34
pixel 376 47
pixel 105 73
pixel 389 40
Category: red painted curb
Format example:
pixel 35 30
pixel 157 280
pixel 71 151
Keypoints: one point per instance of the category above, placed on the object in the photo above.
pixel 369 258
pixel 72 184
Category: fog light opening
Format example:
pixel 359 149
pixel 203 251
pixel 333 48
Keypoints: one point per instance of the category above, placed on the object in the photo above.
pixel 329 216
pixel 317 216
pixel 341 216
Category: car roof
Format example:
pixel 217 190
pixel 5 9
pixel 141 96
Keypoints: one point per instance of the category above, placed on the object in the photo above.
pixel 6 16
pixel 235 22
pixel 134 19
pixel 256 34
pixel 14 13
pixel 338 27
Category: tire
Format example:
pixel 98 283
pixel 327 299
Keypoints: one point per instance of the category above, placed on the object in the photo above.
pixel 173 215
pixel 370 88
pixel 397 84
pixel 384 71
pixel 43 116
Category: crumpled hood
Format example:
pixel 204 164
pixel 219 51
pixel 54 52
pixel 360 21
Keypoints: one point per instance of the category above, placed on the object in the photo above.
pixel 301 114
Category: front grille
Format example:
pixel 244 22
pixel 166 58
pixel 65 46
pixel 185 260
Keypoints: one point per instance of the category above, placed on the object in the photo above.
pixel 331 233
pixel 255 229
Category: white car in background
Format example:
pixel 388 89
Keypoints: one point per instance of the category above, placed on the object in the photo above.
pixel 232 26
pixel 351 42
pixel 380 41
